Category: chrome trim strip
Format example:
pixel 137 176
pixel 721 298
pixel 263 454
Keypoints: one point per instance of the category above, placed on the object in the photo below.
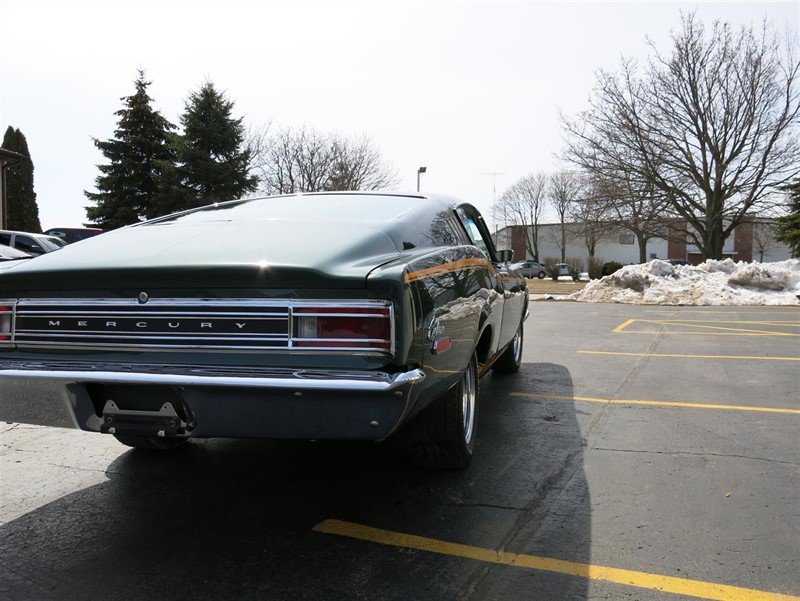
pixel 158 336
pixel 359 381
pixel 207 348
pixel 206 302
pixel 191 315
pixel 275 310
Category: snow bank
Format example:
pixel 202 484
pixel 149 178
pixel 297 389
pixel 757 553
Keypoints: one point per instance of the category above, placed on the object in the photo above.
pixel 710 283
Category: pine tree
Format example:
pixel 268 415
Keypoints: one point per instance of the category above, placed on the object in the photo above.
pixel 788 227
pixel 214 164
pixel 133 184
pixel 23 212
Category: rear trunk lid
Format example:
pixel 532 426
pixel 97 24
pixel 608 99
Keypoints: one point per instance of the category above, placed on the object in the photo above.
pixel 285 254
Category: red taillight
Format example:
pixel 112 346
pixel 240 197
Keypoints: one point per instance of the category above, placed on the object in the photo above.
pixel 5 322
pixel 343 327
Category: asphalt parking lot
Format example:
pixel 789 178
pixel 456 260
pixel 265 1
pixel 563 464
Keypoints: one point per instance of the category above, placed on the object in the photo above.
pixel 642 453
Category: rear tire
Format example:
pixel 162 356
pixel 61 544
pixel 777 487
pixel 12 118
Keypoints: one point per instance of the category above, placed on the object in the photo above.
pixel 540 275
pixel 150 443
pixel 511 359
pixel 445 431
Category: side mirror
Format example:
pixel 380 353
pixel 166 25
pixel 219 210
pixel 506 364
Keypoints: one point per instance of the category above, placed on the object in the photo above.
pixel 505 256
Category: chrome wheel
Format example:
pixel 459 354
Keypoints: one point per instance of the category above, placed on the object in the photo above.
pixel 511 359
pixel 468 399
pixel 444 433
pixel 516 345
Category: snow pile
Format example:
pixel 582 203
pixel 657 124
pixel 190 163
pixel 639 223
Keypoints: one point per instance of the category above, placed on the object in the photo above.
pixel 710 283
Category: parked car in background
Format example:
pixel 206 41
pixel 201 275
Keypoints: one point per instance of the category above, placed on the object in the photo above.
pixel 530 269
pixel 7 253
pixel 679 262
pixel 33 244
pixel 73 234
pixel 314 316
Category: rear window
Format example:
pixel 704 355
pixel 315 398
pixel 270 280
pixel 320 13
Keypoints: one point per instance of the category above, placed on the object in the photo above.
pixel 351 208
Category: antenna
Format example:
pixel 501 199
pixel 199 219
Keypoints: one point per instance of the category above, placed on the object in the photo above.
pixel 494 175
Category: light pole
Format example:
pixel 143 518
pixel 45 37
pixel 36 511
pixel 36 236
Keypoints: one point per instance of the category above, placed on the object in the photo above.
pixel 420 171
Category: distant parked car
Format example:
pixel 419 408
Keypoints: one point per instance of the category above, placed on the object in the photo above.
pixel 73 234
pixel 530 269
pixel 33 244
pixel 563 269
pixel 8 253
pixel 679 262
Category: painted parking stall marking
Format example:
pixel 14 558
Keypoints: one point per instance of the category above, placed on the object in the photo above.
pixel 632 402
pixel 645 580
pixel 681 356
pixel 710 327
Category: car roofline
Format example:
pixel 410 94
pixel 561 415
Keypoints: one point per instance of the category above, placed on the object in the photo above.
pixel 423 197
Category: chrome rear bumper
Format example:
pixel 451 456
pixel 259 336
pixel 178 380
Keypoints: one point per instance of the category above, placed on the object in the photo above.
pixel 252 403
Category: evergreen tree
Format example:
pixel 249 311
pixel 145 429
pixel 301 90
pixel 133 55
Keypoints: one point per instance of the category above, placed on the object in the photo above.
pixel 214 164
pixel 133 184
pixel 23 212
pixel 788 227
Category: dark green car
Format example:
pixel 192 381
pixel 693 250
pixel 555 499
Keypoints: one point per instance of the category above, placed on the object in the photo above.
pixel 314 316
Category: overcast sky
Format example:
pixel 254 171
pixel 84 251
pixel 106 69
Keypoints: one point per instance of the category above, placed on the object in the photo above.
pixel 462 88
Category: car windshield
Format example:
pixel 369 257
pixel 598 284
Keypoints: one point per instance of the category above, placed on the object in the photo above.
pixel 51 242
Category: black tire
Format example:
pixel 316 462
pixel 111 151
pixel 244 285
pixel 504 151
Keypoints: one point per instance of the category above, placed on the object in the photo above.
pixel 149 443
pixel 511 359
pixel 445 431
pixel 540 275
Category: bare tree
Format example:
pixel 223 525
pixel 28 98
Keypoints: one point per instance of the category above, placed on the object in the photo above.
pixel 523 204
pixel 712 126
pixel 358 166
pixel 763 238
pixel 592 214
pixel 564 190
pixel 633 206
pixel 298 160
pixel 258 141
pixel 306 160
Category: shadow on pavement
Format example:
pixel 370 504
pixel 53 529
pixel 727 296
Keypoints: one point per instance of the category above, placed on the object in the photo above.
pixel 233 519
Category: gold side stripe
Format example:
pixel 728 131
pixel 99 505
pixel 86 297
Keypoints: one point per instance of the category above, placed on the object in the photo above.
pixel 446 268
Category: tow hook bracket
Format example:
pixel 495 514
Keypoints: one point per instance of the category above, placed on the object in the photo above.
pixel 161 423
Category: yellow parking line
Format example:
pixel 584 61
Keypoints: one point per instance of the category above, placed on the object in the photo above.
pixel 704 334
pixel 743 357
pixel 656 582
pixel 753 311
pixel 703 325
pixel 761 322
pixel 588 399
pixel 621 327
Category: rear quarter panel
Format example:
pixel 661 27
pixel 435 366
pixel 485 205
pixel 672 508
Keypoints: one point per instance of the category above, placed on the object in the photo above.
pixel 457 296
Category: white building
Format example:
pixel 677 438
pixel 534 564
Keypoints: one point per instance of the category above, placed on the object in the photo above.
pixel 751 241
